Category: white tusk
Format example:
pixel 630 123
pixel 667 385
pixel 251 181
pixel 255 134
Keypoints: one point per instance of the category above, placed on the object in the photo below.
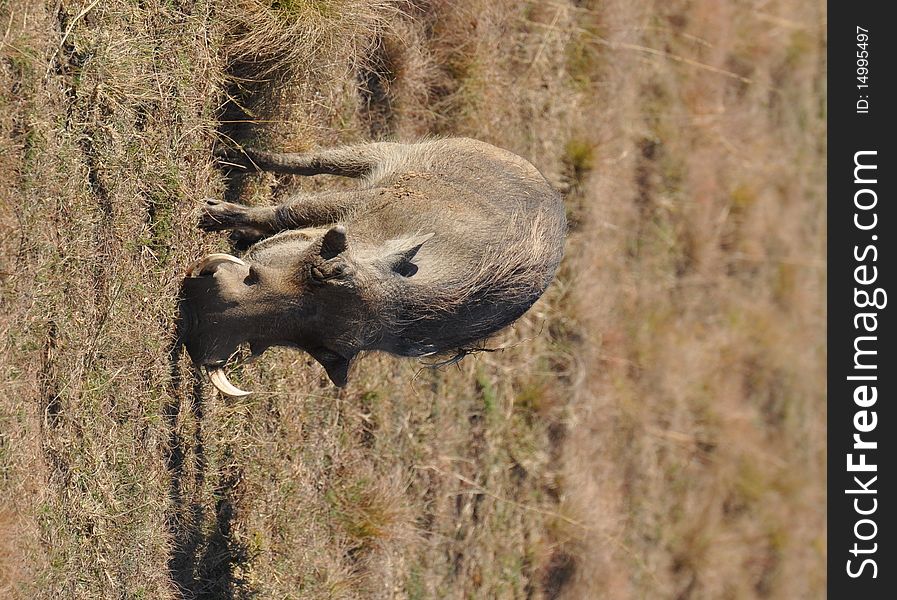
pixel 221 382
pixel 211 261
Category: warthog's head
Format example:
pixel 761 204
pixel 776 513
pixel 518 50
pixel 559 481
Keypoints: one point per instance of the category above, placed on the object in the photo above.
pixel 314 294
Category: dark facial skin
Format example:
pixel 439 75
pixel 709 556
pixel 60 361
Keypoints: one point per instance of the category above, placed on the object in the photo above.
pixel 308 297
pixel 229 307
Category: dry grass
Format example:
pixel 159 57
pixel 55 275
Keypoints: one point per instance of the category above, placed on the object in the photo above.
pixel 654 426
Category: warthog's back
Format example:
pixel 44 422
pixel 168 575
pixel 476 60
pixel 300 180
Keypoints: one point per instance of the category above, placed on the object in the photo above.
pixel 499 237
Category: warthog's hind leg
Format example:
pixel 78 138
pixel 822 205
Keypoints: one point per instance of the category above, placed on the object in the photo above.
pixel 349 161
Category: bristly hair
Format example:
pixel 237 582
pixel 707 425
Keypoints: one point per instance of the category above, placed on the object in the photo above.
pixel 511 275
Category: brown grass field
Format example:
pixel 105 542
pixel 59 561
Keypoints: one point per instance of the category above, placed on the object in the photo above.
pixel 653 428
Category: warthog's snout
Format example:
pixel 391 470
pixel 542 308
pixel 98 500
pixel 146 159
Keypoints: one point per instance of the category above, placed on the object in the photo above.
pixel 204 314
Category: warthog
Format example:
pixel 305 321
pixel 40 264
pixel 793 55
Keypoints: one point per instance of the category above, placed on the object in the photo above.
pixel 446 242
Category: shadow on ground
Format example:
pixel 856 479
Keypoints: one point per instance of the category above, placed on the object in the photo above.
pixel 204 557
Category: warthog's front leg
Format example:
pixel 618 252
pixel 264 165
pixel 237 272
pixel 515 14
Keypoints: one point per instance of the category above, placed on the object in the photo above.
pixel 221 216
pixel 238 219
pixel 300 211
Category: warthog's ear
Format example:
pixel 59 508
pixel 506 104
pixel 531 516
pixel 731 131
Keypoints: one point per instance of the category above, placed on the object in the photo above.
pixel 334 242
pixel 337 366
pixel 399 258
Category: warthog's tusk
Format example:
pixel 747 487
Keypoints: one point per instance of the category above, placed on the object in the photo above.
pixel 223 384
pixel 211 261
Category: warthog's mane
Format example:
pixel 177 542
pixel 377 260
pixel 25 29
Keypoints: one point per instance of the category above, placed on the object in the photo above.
pixel 466 306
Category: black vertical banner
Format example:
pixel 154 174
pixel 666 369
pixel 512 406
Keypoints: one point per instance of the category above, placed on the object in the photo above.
pixel 862 375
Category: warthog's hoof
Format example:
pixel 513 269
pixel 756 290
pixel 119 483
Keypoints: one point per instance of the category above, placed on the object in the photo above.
pixel 219 216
